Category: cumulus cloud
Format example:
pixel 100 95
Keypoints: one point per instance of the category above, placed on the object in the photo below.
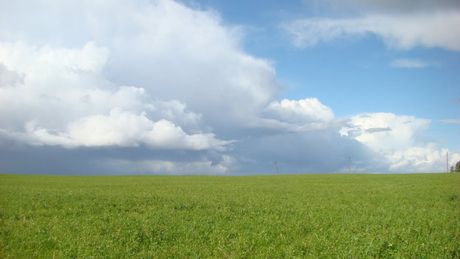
pixel 159 87
pixel 72 96
pixel 400 131
pixel 64 101
pixel 398 31
pixel 297 116
pixel 120 128
pixel 118 75
pixel 302 111
pixel 421 159
pixel 400 140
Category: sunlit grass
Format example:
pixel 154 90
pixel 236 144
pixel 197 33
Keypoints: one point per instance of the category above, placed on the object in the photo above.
pixel 344 216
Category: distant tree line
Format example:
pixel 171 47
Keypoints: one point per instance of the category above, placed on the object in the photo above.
pixel 455 168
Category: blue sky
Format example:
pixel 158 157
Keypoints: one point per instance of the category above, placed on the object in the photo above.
pixel 229 87
pixel 359 69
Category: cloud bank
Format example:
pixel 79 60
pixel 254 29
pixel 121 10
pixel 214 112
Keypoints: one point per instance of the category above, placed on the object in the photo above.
pixel 159 87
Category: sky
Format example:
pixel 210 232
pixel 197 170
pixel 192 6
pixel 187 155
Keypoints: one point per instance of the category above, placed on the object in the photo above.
pixel 229 87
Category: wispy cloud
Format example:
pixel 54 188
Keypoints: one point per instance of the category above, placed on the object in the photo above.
pixel 409 63
pixel 451 121
pixel 397 31
pixel 393 6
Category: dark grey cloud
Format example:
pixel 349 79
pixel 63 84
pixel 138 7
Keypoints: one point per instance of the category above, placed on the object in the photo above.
pixel 302 152
pixel 18 158
pixel 373 130
pixel 306 152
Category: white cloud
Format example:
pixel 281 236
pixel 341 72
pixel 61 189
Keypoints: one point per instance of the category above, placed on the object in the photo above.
pixel 177 58
pixel 302 111
pixel 399 132
pixel 171 51
pixel 152 75
pixel 409 63
pixel 64 100
pixel 119 128
pixel 399 139
pixel 24 58
pixel 296 116
pixel 9 78
pixel 127 129
pixel 437 29
pixel 421 159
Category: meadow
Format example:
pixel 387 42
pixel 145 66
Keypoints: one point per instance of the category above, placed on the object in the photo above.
pixel 282 216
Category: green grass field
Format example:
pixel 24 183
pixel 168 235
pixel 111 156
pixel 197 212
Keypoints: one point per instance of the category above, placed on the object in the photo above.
pixel 289 216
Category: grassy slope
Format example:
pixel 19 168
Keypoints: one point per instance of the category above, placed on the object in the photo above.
pixel 347 216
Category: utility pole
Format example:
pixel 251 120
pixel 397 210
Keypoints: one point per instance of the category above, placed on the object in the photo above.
pixel 447 160
pixel 349 165
pixel 276 168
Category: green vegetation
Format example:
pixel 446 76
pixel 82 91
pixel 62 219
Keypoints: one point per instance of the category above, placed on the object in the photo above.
pixel 289 216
